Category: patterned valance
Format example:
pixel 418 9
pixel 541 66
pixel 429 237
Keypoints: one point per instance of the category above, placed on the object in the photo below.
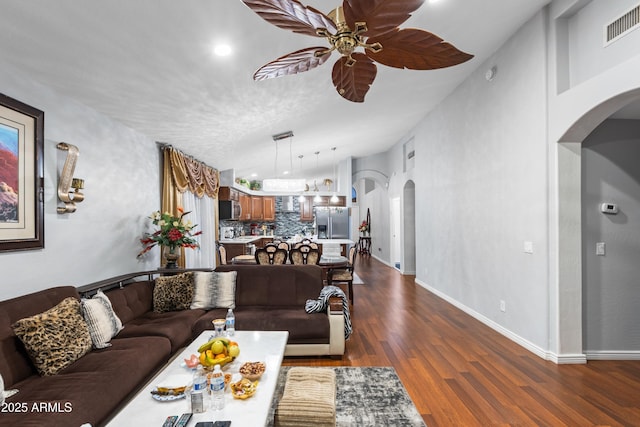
pixel 193 175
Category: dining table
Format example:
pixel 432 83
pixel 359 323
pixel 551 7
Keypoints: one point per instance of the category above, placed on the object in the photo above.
pixel 243 259
pixel 329 262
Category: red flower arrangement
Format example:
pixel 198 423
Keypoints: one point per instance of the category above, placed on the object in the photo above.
pixel 173 232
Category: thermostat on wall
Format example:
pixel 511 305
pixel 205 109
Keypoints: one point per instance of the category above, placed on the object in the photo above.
pixel 609 208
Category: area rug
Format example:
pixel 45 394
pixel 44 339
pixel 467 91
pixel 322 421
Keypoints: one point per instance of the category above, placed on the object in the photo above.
pixel 357 280
pixel 365 397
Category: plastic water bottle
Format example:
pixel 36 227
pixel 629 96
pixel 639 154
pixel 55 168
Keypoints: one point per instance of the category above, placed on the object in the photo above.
pixel 198 391
pixel 217 389
pixel 230 323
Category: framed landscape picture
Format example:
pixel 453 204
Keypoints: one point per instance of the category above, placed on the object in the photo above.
pixel 21 176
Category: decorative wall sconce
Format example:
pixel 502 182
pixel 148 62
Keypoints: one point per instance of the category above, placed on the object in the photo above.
pixel 69 188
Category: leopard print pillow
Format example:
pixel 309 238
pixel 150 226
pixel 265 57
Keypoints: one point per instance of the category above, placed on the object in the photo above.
pixel 56 338
pixel 173 293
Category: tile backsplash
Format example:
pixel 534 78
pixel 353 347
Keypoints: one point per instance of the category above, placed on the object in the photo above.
pixel 287 221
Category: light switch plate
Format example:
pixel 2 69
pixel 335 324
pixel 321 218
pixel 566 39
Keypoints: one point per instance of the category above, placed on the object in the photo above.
pixel 600 248
pixel 528 247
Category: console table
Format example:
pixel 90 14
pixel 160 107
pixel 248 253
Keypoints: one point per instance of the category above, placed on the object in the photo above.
pixel 364 245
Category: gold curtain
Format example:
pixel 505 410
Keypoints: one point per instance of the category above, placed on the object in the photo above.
pixel 181 173
pixel 193 175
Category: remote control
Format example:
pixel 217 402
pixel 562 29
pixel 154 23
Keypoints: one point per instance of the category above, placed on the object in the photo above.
pixel 183 420
pixel 170 421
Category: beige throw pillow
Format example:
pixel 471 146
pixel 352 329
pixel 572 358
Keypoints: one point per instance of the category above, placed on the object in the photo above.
pixel 56 338
pixel 214 289
pixel 225 284
pixel 102 321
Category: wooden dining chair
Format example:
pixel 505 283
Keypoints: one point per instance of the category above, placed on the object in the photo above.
pixel 262 256
pixel 271 249
pixel 280 256
pixel 306 242
pixel 283 245
pixel 344 275
pixel 304 254
pixel 265 257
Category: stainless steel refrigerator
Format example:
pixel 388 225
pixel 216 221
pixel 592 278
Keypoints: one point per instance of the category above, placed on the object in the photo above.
pixel 332 223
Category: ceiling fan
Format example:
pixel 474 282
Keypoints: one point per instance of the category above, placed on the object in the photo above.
pixel 368 24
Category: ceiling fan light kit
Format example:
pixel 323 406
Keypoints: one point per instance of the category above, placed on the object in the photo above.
pixel 371 25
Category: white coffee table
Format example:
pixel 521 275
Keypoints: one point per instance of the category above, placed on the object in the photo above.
pixel 255 346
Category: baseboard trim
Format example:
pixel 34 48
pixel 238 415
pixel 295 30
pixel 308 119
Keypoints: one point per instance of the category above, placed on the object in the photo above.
pixel 613 355
pixel 533 348
pixel 387 263
pixel 567 359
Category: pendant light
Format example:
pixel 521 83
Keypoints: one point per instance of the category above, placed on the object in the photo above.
pixel 301 196
pixel 334 196
pixel 317 197
pixel 278 184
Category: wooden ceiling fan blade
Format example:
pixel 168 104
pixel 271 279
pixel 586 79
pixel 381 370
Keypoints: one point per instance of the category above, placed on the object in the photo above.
pixel 293 63
pixel 381 16
pixel 353 82
pixel 292 15
pixel 416 50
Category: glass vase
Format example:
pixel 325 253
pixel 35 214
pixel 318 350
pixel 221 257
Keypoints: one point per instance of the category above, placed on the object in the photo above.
pixel 171 255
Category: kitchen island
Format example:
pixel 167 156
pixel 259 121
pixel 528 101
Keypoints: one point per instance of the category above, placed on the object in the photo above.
pixel 345 244
pixel 243 245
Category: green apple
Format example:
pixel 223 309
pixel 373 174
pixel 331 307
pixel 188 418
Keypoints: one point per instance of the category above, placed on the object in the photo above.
pixel 217 347
pixel 234 350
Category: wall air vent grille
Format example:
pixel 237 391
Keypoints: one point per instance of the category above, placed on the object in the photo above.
pixel 622 26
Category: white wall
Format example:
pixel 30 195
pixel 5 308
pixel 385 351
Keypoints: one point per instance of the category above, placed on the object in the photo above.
pixel 573 115
pixel 482 182
pixel 121 172
pixel 588 56
pixel 611 296
pixel 481 191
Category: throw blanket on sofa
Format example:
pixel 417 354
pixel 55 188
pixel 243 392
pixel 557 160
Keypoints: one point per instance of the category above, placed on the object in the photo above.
pixel 321 304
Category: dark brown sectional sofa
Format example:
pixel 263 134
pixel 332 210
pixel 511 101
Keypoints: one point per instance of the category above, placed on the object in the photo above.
pixel 94 387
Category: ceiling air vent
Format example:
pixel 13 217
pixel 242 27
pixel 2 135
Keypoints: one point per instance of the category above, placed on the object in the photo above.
pixel 622 26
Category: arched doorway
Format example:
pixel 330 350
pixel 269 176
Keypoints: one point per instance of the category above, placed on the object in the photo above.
pixel 569 289
pixel 409 228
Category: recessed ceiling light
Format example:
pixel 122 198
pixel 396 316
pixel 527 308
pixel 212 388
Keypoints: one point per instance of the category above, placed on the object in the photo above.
pixel 222 50
pixel 253 175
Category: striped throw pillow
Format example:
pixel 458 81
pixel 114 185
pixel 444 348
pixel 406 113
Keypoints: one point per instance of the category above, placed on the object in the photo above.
pixel 102 321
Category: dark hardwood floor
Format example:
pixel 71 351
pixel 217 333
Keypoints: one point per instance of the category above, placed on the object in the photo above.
pixel 460 372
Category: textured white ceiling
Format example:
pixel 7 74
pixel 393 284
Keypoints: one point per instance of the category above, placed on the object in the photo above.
pixel 148 64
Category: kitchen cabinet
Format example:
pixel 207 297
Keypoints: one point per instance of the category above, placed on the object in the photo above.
pixel 326 201
pixel 234 249
pixel 245 206
pixel 228 193
pixel 306 209
pixel 269 208
pixel 257 208
pixel 261 243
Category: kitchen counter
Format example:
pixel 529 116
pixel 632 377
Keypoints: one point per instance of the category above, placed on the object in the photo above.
pixel 336 241
pixel 324 241
pixel 243 240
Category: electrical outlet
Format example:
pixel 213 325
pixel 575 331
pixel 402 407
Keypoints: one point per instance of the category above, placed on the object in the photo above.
pixel 503 306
